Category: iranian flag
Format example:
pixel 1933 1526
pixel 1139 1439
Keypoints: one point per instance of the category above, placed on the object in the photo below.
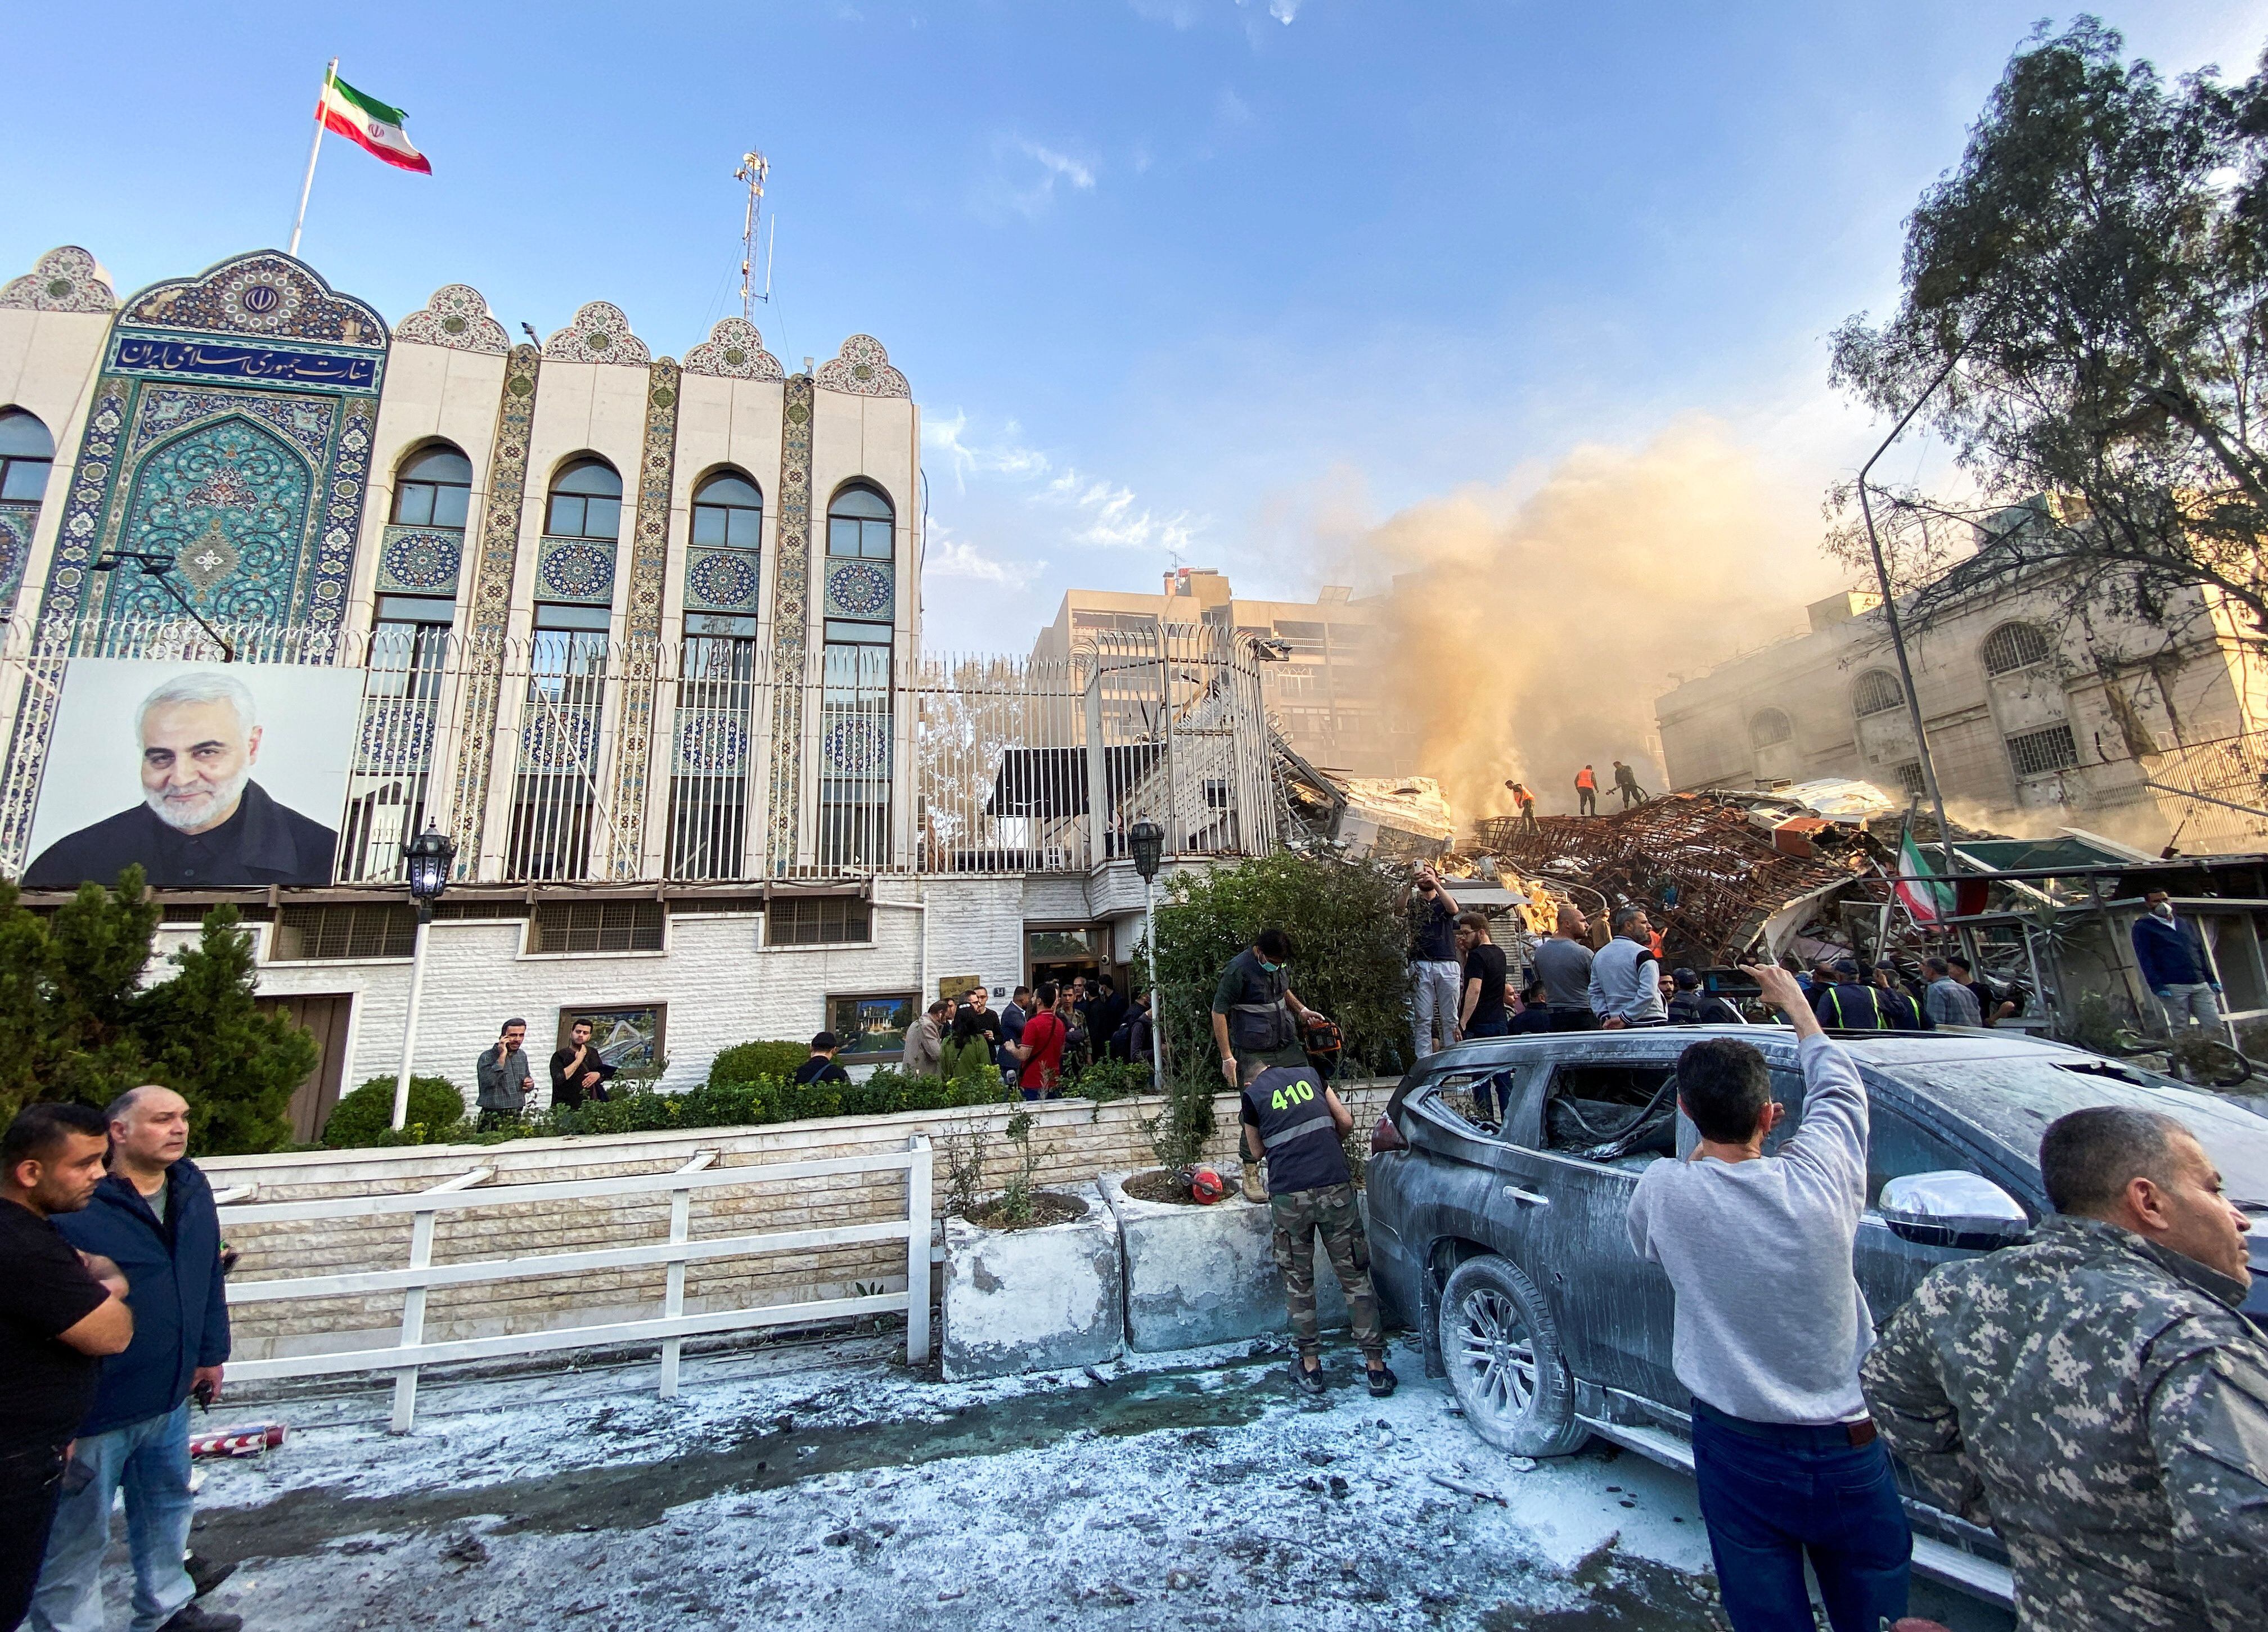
pixel 370 124
pixel 1927 900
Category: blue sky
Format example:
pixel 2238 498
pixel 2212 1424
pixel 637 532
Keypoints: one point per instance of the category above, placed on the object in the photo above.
pixel 1189 279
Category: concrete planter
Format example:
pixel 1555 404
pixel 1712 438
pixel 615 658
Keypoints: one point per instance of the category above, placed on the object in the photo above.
pixel 1206 1275
pixel 1033 1300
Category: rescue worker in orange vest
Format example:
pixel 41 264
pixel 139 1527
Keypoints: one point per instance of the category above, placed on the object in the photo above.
pixel 1586 792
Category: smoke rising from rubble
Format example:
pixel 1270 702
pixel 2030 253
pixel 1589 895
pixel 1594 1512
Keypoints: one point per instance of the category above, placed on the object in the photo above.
pixel 1535 622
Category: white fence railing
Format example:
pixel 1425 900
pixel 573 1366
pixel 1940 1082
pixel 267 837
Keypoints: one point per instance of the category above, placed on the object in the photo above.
pixel 411 1350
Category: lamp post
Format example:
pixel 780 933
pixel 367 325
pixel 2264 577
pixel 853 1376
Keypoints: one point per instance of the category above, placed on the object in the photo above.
pixel 1147 841
pixel 427 858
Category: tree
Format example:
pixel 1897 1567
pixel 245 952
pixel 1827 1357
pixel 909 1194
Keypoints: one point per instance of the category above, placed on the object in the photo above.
pixel 2089 281
pixel 76 1023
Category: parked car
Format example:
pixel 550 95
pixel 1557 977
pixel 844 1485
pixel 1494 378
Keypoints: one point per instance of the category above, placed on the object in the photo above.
pixel 1503 1243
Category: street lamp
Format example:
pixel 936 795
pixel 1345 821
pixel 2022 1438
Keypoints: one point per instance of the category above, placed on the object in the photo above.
pixel 427 859
pixel 1148 840
pixel 155 567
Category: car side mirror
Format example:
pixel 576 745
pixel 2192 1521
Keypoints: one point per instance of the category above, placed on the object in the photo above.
pixel 1953 1209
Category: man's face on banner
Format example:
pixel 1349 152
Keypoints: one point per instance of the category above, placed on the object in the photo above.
pixel 196 759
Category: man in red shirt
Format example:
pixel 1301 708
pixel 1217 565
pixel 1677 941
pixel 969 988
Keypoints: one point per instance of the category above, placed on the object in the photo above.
pixel 1038 1052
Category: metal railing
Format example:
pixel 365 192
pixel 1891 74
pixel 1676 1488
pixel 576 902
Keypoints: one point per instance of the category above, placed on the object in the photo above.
pixel 647 761
pixel 2218 791
pixel 411 1350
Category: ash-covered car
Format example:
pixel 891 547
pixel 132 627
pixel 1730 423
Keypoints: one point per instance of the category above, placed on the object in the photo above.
pixel 1502 1170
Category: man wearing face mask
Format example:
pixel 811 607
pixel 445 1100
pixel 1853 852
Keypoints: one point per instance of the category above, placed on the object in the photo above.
pixel 2174 966
pixel 1256 1016
pixel 203 822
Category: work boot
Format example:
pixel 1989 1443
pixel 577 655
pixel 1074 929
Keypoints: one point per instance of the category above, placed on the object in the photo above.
pixel 1310 1379
pixel 192 1618
pixel 204 1574
pixel 1382 1381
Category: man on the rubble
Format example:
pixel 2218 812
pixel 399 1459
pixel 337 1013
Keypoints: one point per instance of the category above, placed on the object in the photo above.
pixel 2174 968
pixel 1562 964
pixel 1586 792
pixel 1434 983
pixel 1524 800
pixel 2094 1394
pixel 1626 784
pixel 1624 989
pixel 1768 1329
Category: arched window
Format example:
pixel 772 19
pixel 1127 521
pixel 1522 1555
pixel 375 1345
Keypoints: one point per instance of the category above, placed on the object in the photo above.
pixel 728 513
pixel 858 524
pixel 434 487
pixel 1769 727
pixel 26 454
pixel 587 502
pixel 2014 646
pixel 1877 691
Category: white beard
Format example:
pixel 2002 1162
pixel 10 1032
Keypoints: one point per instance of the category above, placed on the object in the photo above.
pixel 184 815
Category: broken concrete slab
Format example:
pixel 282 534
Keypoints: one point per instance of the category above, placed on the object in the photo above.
pixel 1040 1299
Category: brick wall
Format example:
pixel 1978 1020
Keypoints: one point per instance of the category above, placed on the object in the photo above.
pixel 1077 1140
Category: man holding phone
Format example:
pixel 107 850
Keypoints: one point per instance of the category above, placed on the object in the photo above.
pixel 154 1216
pixel 60 1314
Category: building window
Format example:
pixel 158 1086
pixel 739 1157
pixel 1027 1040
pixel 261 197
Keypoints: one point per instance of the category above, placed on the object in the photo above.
pixel 26 454
pixel 871 1025
pixel 1910 779
pixel 433 489
pixel 1770 728
pixel 2043 752
pixel 1303 640
pixel 709 775
pixel 818 920
pixel 587 502
pixel 728 513
pixel 595 927
pixel 555 793
pixel 1877 691
pixel 348 933
pixel 2014 646
pixel 858 524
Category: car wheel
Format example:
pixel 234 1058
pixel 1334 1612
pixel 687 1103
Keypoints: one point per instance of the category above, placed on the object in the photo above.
pixel 1504 1363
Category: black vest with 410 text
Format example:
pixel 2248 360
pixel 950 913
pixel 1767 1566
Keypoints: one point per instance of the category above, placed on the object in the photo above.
pixel 1296 1131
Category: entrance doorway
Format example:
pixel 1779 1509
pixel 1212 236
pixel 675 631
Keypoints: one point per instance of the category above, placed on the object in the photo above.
pixel 326 1016
pixel 1062 954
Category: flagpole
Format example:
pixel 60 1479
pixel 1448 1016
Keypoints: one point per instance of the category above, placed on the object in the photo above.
pixel 314 151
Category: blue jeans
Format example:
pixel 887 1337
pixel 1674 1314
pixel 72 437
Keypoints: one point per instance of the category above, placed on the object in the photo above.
pixel 151 1459
pixel 1773 1493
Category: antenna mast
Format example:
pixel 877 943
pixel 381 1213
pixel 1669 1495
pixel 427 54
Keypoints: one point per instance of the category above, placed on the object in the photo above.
pixel 753 168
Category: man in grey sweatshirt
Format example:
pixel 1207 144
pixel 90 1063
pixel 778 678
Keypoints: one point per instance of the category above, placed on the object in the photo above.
pixel 1770 1329
pixel 1625 977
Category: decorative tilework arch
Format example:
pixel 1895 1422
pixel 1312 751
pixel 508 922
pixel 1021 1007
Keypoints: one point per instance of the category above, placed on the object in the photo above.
pixel 458 317
pixel 863 369
pixel 734 350
pixel 227 501
pixel 265 294
pixel 600 334
pixel 65 279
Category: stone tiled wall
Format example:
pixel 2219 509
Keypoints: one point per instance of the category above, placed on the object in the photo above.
pixel 1077 1141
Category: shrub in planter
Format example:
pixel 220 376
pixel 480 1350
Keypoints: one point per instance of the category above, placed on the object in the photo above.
pixel 366 1117
pixel 753 1062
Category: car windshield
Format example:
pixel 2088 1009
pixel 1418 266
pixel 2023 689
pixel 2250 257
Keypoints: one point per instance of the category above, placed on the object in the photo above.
pixel 2011 1099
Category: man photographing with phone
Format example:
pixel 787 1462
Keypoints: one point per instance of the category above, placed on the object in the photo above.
pixel 154 1215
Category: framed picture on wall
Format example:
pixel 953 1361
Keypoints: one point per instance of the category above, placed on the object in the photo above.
pixel 629 1037
pixel 872 1024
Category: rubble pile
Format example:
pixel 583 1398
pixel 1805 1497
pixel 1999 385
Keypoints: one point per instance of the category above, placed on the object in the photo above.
pixel 1708 876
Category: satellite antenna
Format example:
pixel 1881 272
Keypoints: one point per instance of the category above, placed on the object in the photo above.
pixel 753 168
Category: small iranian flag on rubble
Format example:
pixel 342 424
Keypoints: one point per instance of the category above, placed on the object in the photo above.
pixel 1924 898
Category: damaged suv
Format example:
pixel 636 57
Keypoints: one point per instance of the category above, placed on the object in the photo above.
pixel 1502 1239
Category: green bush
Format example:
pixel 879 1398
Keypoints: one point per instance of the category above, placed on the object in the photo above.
pixel 751 1061
pixel 366 1117
pixel 1106 1079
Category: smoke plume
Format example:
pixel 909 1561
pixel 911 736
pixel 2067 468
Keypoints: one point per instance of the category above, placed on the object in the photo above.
pixel 1535 623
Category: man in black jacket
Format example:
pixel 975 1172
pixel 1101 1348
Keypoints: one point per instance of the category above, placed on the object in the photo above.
pixel 153 1215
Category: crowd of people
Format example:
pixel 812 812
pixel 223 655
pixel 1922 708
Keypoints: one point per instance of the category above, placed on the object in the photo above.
pixel 113 1319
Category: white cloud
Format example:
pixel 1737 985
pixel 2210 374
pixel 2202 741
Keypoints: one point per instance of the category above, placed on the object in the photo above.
pixel 1027 176
pixel 946 557
pixel 1284 10
pixel 1107 515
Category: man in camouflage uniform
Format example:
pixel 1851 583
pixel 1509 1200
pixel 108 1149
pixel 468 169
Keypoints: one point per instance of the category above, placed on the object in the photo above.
pixel 2095 1395
pixel 1296 1122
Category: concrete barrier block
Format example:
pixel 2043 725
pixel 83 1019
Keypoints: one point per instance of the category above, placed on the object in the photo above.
pixel 1033 1300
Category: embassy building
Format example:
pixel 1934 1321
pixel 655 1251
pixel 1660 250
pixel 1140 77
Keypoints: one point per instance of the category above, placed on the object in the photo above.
pixel 642 637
